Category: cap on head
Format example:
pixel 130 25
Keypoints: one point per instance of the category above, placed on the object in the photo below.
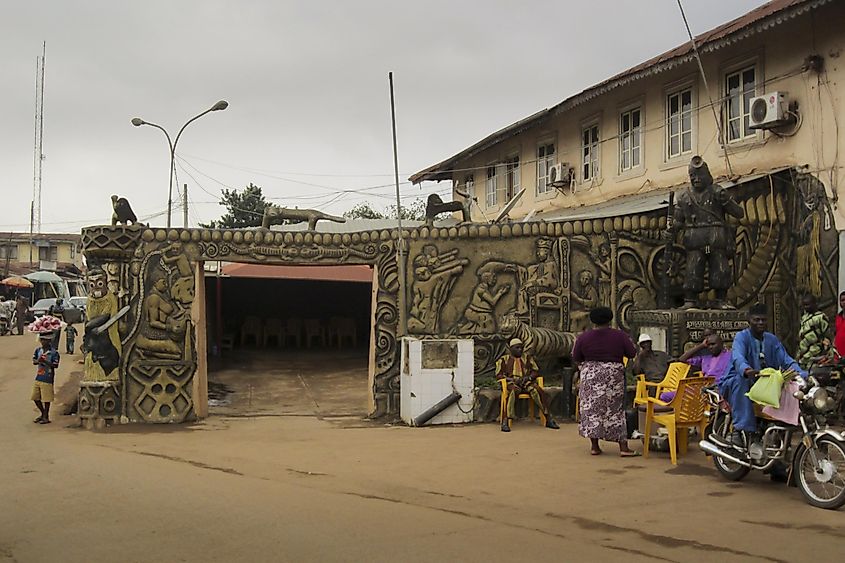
pixel 643 338
pixel 515 342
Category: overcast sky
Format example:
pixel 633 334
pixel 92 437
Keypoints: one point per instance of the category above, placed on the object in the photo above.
pixel 309 112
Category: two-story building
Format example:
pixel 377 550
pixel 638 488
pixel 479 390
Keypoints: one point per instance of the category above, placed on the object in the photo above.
pixel 21 253
pixel 759 98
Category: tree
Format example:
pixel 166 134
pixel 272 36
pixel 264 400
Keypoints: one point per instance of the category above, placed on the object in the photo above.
pixel 363 211
pixel 245 209
pixel 413 212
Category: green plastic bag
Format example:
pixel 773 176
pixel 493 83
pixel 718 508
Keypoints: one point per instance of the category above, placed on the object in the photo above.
pixel 766 390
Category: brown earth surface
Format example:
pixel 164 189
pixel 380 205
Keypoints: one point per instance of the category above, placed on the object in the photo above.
pixel 319 483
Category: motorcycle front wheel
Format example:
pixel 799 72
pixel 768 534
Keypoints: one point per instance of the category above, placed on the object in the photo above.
pixel 728 469
pixel 821 477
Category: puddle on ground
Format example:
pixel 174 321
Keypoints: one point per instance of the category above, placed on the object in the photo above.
pixel 689 469
pixel 719 494
pixel 218 394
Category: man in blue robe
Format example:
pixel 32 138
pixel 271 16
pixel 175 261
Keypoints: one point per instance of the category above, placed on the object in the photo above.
pixel 753 349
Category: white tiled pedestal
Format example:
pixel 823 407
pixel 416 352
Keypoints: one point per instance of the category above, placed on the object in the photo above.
pixel 429 370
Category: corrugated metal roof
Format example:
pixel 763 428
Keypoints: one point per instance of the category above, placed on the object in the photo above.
pixel 357 274
pixel 757 20
pixel 639 203
pixel 24 237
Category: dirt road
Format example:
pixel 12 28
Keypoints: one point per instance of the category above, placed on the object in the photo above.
pixel 299 488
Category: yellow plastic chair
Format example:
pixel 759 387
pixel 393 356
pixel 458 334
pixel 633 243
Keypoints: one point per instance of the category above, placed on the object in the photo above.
pixel 503 407
pixel 687 410
pixel 674 374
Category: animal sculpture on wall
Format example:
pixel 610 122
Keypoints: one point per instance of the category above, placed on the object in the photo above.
pixel 274 214
pixel 541 342
pixel 97 342
pixel 434 206
pixel 122 211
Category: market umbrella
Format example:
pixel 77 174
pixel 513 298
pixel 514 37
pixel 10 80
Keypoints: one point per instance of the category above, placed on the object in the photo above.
pixel 16 281
pixel 46 277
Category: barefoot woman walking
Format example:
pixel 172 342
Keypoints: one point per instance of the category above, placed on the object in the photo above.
pixel 598 353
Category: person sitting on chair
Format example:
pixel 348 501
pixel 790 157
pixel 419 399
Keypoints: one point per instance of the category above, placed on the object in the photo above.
pixel 521 373
pixel 652 363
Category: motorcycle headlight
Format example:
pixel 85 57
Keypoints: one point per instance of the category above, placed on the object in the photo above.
pixel 818 398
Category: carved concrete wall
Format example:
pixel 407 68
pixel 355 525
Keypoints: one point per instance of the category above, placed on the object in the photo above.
pixel 489 282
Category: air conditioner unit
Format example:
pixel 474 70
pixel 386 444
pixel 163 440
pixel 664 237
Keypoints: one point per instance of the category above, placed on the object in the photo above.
pixel 769 110
pixel 560 178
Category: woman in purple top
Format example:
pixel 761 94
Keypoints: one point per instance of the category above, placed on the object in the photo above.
pixel 598 354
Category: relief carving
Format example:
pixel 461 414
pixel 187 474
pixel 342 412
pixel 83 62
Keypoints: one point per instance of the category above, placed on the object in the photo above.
pixel 434 276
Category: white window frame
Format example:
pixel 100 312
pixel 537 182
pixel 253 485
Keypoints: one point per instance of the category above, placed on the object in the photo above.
pixel 545 160
pixel 679 117
pixel 9 251
pixel 591 152
pixel 742 99
pixel 512 177
pixel 491 186
pixel 634 137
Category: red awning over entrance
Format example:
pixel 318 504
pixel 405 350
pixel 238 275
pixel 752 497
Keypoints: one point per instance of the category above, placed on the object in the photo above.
pixel 359 274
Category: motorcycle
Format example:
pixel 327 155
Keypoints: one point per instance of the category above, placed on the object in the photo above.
pixel 816 464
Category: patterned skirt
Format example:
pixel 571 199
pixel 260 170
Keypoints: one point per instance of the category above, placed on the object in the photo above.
pixel 602 401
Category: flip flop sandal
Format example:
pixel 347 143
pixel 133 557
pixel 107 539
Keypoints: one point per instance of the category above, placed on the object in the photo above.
pixel 44 421
pixel 630 454
pixel 595 452
pixel 38 420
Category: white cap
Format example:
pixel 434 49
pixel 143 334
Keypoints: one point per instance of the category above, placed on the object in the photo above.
pixel 644 338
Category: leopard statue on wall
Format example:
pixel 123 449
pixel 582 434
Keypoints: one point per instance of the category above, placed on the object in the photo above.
pixel 539 342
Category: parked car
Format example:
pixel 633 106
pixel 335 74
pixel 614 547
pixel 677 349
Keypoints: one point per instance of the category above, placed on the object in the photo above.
pixel 73 313
pixel 81 303
pixel 41 308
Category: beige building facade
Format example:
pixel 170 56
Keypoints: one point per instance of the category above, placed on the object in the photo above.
pixel 634 134
pixel 45 251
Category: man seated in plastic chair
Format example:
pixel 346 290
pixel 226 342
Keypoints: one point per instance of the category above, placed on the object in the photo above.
pixel 520 371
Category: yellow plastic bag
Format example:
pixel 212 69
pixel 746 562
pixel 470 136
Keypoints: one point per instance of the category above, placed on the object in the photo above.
pixel 766 390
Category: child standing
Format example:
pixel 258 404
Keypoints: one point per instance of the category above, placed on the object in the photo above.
pixel 70 337
pixel 47 360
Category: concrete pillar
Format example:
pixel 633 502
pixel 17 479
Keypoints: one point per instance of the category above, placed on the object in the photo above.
pixel 198 317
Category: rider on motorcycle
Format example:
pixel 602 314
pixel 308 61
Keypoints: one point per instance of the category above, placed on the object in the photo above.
pixel 753 349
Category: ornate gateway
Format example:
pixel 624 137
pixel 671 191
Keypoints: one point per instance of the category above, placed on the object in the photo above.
pixel 485 281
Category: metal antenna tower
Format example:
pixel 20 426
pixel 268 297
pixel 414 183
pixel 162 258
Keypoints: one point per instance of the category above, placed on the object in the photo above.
pixel 35 223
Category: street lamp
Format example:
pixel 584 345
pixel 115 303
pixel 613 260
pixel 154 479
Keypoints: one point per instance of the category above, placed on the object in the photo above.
pixel 137 122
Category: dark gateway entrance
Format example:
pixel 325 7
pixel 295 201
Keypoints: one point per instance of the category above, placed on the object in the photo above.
pixel 288 340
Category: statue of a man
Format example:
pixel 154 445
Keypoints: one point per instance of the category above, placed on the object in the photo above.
pixel 707 238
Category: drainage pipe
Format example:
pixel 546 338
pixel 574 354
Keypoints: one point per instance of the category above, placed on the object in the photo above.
pixel 444 404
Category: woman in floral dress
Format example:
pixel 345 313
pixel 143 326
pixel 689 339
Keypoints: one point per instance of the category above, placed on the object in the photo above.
pixel 598 354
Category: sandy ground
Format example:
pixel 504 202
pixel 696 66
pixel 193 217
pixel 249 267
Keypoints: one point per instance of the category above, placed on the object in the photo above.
pixel 305 488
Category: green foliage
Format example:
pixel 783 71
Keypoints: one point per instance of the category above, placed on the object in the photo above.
pixel 245 208
pixel 413 212
pixel 363 211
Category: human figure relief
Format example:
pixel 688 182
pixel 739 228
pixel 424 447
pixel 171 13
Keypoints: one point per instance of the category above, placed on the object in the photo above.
pixel 183 285
pixel 162 324
pixel 101 303
pixel 434 276
pixel 539 277
pixel 479 315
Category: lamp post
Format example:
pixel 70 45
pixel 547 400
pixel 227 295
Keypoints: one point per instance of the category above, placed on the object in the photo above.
pixel 137 122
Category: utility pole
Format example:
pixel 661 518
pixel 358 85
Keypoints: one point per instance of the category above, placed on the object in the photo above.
pixel 401 252
pixel 185 206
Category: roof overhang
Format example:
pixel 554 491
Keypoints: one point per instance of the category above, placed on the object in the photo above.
pixel 638 203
